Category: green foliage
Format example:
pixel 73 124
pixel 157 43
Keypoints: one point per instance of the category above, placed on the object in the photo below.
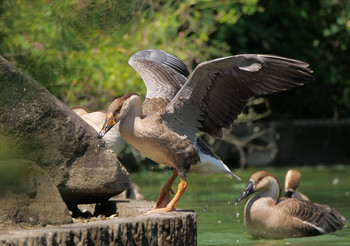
pixel 70 47
pixel 79 49
pixel 314 31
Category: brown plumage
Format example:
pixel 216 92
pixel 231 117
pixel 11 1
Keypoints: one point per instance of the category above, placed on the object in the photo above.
pixel 291 184
pixel 268 216
pixel 292 181
pixel 177 107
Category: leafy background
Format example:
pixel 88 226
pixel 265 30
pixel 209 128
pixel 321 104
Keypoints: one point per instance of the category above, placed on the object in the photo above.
pixel 79 49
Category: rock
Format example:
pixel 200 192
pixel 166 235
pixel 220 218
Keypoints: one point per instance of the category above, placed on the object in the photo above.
pixel 94 181
pixel 37 126
pixel 113 139
pixel 29 197
pixel 132 192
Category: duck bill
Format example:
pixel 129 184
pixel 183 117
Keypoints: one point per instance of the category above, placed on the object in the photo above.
pixel 109 123
pixel 248 190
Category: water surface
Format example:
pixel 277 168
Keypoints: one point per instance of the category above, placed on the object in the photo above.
pixel 220 220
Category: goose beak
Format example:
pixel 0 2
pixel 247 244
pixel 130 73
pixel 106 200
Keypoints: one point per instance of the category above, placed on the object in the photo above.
pixel 109 123
pixel 248 190
pixel 288 193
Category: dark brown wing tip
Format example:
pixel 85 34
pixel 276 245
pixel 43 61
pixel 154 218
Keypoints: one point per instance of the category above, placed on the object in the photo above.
pixel 304 70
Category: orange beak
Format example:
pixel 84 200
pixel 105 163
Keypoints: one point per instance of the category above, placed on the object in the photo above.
pixel 109 123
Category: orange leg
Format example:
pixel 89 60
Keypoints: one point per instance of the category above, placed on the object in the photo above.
pixel 172 204
pixel 164 197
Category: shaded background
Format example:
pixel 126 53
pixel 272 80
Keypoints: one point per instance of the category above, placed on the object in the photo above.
pixel 79 49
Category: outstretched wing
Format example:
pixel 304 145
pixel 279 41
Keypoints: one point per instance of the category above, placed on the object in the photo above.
pixel 163 73
pixel 219 89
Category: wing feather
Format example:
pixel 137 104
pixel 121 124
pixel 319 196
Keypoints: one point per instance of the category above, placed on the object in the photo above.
pixel 218 90
pixel 230 82
pixel 312 216
pixel 163 73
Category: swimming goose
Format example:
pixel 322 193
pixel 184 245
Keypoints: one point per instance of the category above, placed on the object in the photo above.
pixel 179 105
pixel 268 216
pixel 291 190
pixel 291 184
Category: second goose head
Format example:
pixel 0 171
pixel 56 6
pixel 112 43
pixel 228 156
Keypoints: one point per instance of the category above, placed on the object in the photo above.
pixel 119 109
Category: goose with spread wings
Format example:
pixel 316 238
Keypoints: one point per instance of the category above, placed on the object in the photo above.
pixel 178 105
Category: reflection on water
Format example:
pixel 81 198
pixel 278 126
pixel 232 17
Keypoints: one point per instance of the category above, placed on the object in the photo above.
pixel 220 219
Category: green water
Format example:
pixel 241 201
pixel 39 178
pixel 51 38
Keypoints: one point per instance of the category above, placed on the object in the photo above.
pixel 220 220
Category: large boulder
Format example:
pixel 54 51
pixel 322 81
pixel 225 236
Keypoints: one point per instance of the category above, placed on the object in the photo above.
pixel 35 125
pixel 29 197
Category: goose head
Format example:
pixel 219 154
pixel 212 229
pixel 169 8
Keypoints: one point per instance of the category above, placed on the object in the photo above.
pixel 259 182
pixel 118 110
pixel 291 182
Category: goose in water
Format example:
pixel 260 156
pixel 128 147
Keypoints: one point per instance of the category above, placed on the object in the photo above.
pixel 268 216
pixel 292 181
pixel 178 105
